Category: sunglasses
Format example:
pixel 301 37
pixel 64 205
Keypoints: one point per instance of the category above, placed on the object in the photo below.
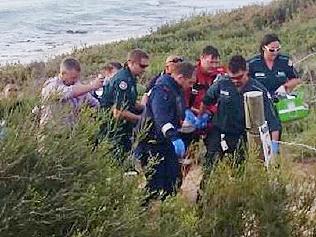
pixel 237 78
pixel 272 50
pixel 143 65
pixel 176 60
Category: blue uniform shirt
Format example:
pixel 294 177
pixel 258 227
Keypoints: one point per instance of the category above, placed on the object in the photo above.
pixel 121 91
pixel 166 106
pixel 282 71
pixel 230 117
pixel 153 81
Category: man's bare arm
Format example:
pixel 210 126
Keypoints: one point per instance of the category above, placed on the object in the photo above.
pixel 124 114
pixel 81 89
pixel 291 84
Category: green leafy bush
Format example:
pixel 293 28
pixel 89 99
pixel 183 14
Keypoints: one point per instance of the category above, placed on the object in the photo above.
pixel 54 183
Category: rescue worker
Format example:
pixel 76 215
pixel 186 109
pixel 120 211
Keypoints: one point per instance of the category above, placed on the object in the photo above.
pixel 229 121
pixel 171 61
pixel 273 70
pixel 121 96
pixel 208 68
pixel 165 112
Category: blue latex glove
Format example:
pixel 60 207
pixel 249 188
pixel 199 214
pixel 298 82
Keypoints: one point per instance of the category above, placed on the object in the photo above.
pixel 179 147
pixel 202 120
pixel 190 117
pixel 275 146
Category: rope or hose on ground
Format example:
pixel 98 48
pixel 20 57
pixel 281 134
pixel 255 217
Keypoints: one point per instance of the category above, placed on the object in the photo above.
pixel 298 145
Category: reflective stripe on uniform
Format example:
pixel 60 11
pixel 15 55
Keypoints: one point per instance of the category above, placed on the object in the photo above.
pixel 166 127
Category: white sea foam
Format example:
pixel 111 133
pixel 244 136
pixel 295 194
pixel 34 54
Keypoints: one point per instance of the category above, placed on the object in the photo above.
pixel 37 29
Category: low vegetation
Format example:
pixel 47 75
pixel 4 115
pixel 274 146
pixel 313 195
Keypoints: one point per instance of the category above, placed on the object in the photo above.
pixel 54 183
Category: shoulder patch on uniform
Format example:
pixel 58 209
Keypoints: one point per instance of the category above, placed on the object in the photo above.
pixel 123 85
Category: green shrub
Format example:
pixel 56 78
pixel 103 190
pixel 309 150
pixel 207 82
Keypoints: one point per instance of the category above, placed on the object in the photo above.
pixel 52 184
pixel 244 201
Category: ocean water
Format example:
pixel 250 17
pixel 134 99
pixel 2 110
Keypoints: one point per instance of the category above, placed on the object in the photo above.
pixel 39 29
